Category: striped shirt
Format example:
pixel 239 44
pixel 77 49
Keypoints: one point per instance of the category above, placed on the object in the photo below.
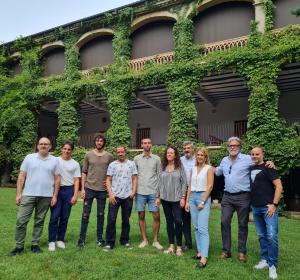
pixel 172 185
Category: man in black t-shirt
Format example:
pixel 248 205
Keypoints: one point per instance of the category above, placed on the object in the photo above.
pixel 266 190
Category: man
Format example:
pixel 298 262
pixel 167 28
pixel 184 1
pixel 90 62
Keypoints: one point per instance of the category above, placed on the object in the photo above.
pixel 235 169
pixel 40 179
pixel 149 167
pixel 188 161
pixel 93 185
pixel 266 189
pixel 121 187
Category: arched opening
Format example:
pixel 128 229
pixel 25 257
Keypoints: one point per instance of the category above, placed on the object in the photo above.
pixel 54 62
pixel 282 13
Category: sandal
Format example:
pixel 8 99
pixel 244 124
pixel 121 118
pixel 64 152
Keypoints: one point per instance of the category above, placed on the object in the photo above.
pixel 179 252
pixel 170 251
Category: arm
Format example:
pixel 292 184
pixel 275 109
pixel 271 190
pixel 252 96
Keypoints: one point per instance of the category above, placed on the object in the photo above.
pixel 20 185
pixel 183 188
pixel 210 184
pixel 83 180
pixel 219 170
pixel 56 190
pixel 187 203
pixel 157 200
pixel 278 190
pixel 76 189
pixel 112 198
pixel 134 179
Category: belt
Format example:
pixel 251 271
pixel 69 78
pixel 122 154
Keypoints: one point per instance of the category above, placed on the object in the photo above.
pixel 236 193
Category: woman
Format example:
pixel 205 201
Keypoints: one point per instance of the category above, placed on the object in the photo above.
pixel 199 201
pixel 69 170
pixel 171 194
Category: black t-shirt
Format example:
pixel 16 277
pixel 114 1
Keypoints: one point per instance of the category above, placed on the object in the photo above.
pixel 262 188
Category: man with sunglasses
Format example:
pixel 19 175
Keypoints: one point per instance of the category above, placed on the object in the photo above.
pixel 235 169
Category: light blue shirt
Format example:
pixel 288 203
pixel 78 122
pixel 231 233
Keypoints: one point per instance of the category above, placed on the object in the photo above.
pixel 40 174
pixel 236 173
pixel 188 164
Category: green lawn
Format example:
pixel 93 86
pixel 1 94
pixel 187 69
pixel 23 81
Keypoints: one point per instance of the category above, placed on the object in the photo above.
pixel 121 263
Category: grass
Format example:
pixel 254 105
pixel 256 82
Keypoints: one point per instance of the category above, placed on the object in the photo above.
pixel 121 263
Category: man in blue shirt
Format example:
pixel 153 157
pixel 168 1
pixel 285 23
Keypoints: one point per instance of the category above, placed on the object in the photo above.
pixel 235 169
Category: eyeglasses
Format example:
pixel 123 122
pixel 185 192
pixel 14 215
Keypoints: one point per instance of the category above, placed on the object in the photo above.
pixel 233 146
pixel 230 169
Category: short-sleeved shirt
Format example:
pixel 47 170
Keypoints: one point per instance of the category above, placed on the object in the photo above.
pixel 68 170
pixel 262 187
pixel 236 173
pixel 172 185
pixel 188 164
pixel 95 168
pixel 40 173
pixel 121 173
pixel 148 168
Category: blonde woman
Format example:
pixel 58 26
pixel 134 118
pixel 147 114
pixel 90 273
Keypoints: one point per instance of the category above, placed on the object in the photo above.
pixel 199 201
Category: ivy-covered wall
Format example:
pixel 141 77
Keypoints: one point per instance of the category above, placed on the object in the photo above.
pixel 259 63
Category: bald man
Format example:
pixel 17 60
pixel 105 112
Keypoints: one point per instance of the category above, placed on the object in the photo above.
pixel 40 179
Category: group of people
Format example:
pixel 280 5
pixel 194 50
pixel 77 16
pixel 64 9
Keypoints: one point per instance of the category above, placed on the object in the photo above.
pixel 182 185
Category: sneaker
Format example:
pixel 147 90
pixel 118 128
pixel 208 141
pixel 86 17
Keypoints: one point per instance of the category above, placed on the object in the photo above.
pixel 107 248
pixel 127 245
pixel 101 243
pixel 143 244
pixel 80 244
pixel 262 264
pixel 61 244
pixel 16 251
pixel 272 272
pixel 157 245
pixel 51 246
pixel 36 249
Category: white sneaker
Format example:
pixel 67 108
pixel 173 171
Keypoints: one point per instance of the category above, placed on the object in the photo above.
pixel 143 244
pixel 272 272
pixel 51 246
pixel 157 245
pixel 61 244
pixel 262 264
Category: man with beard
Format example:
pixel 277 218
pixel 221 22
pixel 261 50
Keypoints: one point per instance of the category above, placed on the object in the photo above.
pixel 93 185
pixel 235 169
pixel 149 167
pixel 121 187
pixel 39 175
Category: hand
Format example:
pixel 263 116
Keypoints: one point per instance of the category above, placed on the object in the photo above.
pixel 200 206
pixel 53 201
pixel 18 199
pixel 270 164
pixel 74 199
pixel 271 210
pixel 157 202
pixel 104 184
pixel 82 194
pixel 112 199
pixel 187 207
pixel 182 202
pixel 132 195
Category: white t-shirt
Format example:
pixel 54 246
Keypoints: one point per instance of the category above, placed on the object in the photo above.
pixel 68 170
pixel 121 173
pixel 199 180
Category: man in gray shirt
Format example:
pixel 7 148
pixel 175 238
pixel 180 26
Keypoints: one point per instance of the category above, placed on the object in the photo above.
pixel 40 178
pixel 149 167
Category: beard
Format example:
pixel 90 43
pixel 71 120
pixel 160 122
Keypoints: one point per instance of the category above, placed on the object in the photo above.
pixel 233 153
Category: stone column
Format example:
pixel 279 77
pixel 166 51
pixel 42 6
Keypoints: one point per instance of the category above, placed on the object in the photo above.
pixel 260 16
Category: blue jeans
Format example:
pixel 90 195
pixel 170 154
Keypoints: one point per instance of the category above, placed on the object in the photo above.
pixel 200 222
pixel 267 231
pixel 60 214
pixel 87 206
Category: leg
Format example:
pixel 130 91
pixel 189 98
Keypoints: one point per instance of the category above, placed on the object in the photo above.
pixel 68 193
pixel 261 230
pixel 140 206
pixel 126 206
pixel 87 206
pixel 55 215
pixel 167 206
pixel 41 209
pixel 195 199
pixel 186 228
pixel 177 214
pixel 25 211
pixel 101 201
pixel 155 214
pixel 243 209
pixel 111 223
pixel 227 209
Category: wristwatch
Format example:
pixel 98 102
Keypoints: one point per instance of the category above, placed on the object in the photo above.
pixel 202 202
pixel 275 204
